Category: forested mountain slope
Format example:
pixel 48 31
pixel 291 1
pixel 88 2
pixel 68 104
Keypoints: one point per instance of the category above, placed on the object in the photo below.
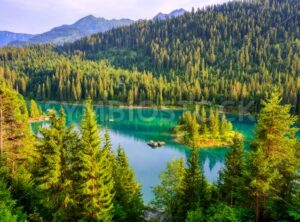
pixel 232 52
pixel 240 36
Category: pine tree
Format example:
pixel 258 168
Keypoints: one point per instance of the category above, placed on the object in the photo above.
pixel 51 176
pixel 128 191
pixel 34 109
pixel 213 123
pixel 168 193
pixel 8 210
pixel 273 164
pixel 223 125
pixel 108 146
pixel 195 187
pixel 94 185
pixel 294 206
pixel 194 131
pixel 231 177
pixel 203 128
pixel 16 141
pixel 71 145
pixel 216 122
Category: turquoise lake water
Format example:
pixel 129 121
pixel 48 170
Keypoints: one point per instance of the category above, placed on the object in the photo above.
pixel 133 128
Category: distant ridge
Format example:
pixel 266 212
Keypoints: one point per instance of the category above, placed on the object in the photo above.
pixel 6 37
pixel 68 33
pixel 174 13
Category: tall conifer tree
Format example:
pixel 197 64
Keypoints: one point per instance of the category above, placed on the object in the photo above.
pixel 273 165
pixel 128 191
pixel 34 109
pixel 94 185
pixel 52 164
pixel 195 187
pixel 231 177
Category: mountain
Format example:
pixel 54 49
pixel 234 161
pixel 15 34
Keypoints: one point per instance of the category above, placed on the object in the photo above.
pixel 91 24
pixel 83 27
pixel 7 37
pixel 69 33
pixel 175 13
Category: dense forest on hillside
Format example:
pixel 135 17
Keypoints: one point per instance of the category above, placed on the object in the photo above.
pixel 232 52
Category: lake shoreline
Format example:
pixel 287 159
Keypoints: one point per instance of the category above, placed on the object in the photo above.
pixel 126 106
pixel 116 105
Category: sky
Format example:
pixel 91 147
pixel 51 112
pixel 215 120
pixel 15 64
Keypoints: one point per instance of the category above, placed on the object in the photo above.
pixel 38 16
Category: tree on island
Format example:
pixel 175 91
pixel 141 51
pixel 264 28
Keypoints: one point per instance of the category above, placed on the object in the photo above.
pixel 34 109
pixel 195 129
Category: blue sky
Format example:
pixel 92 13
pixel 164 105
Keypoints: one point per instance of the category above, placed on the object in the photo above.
pixel 37 16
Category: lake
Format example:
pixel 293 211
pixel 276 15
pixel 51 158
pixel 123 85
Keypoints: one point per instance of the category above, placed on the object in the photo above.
pixel 133 128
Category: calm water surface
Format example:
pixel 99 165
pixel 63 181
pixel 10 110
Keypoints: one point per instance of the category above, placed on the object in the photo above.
pixel 133 128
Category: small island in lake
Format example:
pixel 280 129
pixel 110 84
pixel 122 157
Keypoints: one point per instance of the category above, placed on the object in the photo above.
pixel 197 130
pixel 154 144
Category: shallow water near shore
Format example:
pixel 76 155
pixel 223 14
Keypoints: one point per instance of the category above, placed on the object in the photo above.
pixel 133 128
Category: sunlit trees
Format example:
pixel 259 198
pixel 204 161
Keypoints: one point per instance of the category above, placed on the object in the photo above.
pixel 195 191
pixel 273 165
pixel 196 130
pixel 168 192
pixel 231 177
pixel 94 184
pixel 52 176
pixel 34 109
pixel 128 191
pixel 211 54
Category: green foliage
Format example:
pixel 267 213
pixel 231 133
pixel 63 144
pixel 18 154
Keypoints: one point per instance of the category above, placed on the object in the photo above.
pixel 168 192
pixel 222 213
pixel 231 177
pixel 52 176
pixel 195 190
pixel 72 177
pixel 196 130
pixel 128 192
pixel 182 190
pixel 213 53
pixel 34 109
pixel 262 185
pixel 15 136
pixel 272 167
pixel 94 184
pixel 294 206
pixel 195 216
pixel 227 52
pixel 9 212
